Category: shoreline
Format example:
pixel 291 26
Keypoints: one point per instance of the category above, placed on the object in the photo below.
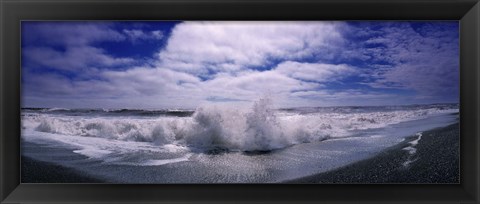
pixel 35 171
pixel 436 160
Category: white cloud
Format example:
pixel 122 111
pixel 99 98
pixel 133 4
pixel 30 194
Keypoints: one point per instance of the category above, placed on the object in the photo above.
pixel 200 47
pixel 156 34
pixel 355 97
pixel 69 46
pixel 68 33
pixel 135 35
pixel 139 86
pixel 205 62
pixel 318 72
pixel 424 60
pixel 151 81
pixel 74 58
pixel 253 84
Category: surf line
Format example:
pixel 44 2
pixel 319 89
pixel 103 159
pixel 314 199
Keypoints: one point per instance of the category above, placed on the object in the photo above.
pixel 412 150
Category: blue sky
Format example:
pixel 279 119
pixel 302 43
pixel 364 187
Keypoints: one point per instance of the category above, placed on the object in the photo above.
pixel 167 64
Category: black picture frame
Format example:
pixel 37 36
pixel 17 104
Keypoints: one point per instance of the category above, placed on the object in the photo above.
pixel 14 11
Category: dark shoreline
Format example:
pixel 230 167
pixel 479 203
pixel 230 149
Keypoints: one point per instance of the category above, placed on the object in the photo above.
pixel 35 171
pixel 436 161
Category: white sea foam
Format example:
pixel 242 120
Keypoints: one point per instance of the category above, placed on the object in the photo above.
pixel 158 162
pixel 236 129
pixel 112 151
pixel 411 149
pixel 57 109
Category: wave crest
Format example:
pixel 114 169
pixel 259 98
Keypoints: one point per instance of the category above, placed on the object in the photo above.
pixel 260 128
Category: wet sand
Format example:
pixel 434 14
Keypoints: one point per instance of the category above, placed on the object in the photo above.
pixel 35 171
pixel 436 160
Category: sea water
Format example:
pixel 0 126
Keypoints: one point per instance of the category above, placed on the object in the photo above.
pixel 222 144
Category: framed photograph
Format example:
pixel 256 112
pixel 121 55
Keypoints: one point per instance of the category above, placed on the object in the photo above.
pixel 209 101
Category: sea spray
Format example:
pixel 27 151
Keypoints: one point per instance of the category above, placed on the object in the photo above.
pixel 223 127
pixel 260 127
pixel 263 132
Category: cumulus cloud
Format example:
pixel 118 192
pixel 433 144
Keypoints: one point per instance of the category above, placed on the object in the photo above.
pixel 151 81
pixel 318 72
pixel 297 63
pixel 139 86
pixel 205 47
pixel 253 84
pixel 75 58
pixel 70 46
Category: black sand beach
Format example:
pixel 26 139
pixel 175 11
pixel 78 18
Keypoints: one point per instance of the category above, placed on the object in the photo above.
pixel 34 171
pixel 436 161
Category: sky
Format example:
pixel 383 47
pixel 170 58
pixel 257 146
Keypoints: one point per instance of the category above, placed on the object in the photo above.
pixel 174 64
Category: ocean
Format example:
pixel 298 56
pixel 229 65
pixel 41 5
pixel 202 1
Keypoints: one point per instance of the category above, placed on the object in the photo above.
pixel 221 144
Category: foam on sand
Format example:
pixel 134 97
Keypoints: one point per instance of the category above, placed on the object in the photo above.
pixel 133 139
pixel 412 150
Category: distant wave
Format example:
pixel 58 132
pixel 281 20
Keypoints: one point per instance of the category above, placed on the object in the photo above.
pixel 111 112
pixel 260 128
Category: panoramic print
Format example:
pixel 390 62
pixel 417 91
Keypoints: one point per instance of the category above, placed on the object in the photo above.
pixel 316 102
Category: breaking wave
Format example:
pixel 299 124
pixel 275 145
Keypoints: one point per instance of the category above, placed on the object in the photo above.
pixel 260 128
